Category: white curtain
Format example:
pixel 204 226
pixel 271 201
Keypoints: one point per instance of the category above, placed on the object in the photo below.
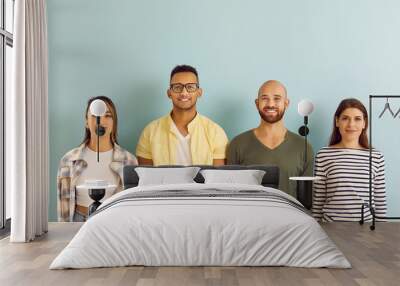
pixel 27 136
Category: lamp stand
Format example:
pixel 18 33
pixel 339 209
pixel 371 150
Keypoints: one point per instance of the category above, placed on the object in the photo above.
pixel 303 131
pixel 304 187
pixel 98 137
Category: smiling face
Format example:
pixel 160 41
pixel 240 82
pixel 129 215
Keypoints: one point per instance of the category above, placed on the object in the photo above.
pixel 186 98
pixel 351 123
pixel 272 101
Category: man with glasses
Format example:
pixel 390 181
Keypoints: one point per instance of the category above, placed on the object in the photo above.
pixel 271 143
pixel 183 137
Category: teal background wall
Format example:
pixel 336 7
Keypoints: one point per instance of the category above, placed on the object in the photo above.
pixel 321 50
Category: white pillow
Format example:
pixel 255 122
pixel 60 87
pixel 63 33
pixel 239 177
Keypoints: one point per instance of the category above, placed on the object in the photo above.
pixel 248 177
pixel 162 176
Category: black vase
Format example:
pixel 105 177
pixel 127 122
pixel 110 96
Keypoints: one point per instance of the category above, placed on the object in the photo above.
pixel 96 195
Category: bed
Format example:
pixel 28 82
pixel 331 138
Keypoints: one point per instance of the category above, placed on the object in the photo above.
pixel 201 224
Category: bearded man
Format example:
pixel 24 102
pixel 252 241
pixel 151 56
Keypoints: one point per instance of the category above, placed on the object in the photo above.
pixel 271 143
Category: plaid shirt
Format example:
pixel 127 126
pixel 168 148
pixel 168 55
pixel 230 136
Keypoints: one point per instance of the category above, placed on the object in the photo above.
pixel 71 167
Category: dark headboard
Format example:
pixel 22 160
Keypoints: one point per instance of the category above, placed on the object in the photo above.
pixel 270 179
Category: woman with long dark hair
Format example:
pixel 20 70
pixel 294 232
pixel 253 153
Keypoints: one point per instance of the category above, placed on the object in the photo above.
pixel 343 169
pixel 80 164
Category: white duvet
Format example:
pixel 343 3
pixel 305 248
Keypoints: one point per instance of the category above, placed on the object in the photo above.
pixel 183 231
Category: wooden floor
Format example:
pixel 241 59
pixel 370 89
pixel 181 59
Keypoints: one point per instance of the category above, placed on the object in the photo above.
pixel 374 255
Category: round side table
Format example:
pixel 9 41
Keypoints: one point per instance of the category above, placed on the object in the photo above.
pixel 304 190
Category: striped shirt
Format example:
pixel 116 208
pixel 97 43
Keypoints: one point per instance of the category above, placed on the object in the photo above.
pixel 344 184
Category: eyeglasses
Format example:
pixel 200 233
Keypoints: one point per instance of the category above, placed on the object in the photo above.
pixel 178 87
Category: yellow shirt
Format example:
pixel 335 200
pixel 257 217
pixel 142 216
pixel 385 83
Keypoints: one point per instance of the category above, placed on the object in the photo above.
pixel 158 141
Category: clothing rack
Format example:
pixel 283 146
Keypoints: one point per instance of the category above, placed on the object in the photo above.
pixel 371 207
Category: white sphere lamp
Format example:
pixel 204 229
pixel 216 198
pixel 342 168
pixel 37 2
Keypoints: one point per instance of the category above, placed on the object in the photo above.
pixel 98 108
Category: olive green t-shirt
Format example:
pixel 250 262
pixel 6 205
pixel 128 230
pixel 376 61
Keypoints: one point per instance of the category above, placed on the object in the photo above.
pixel 246 149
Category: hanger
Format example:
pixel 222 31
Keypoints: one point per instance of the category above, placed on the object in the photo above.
pixel 387 107
pixel 397 113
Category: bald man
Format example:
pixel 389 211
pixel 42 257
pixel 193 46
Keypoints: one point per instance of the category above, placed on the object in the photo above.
pixel 271 143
